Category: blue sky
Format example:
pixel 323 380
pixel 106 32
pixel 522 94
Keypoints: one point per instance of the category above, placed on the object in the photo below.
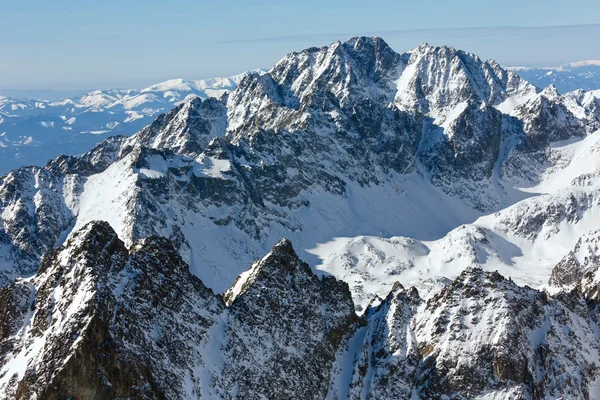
pixel 85 44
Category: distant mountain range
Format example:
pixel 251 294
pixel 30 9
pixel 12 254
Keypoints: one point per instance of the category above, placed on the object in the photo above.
pixel 36 129
pixel 42 94
pixel 583 75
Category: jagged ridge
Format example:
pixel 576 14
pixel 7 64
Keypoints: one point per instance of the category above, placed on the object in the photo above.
pixel 101 321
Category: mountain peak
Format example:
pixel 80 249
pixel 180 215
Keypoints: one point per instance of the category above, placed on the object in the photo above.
pixel 93 246
pixel 477 275
pixel 550 91
pixel 94 233
pixel 188 128
pixel 284 246
pixel 426 48
pixel 373 53
pixel 363 41
pixel 274 268
pixel 361 55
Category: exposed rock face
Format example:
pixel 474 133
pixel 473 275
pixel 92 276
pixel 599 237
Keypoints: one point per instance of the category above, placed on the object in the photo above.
pixel 567 273
pixel 93 162
pixel 37 206
pixel 438 78
pixel 387 364
pixel 548 120
pixel 297 320
pixel 481 335
pixel 463 159
pixel 485 334
pixel 99 321
pixel 579 268
pixel 585 104
pixel 188 128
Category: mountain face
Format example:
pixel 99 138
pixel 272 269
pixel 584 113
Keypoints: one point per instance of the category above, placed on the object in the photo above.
pixel 578 269
pixel 284 319
pixel 99 320
pixel 411 177
pixel 482 335
pixel 42 127
pixel 346 140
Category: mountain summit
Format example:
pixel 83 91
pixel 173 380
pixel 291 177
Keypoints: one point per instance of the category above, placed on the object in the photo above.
pixel 382 138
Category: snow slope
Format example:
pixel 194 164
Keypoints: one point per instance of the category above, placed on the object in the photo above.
pixel 524 241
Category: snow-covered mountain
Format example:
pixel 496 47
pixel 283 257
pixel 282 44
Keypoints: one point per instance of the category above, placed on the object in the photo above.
pixel 101 321
pixel 410 177
pixel 584 75
pixel 34 130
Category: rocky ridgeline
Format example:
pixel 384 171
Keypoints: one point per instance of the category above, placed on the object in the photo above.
pixel 326 121
pixel 101 321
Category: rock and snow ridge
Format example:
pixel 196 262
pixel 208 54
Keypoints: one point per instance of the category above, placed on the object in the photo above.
pixel 99 321
pixel 380 167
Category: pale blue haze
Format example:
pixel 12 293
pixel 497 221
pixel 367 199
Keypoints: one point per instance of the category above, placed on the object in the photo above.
pixel 85 44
